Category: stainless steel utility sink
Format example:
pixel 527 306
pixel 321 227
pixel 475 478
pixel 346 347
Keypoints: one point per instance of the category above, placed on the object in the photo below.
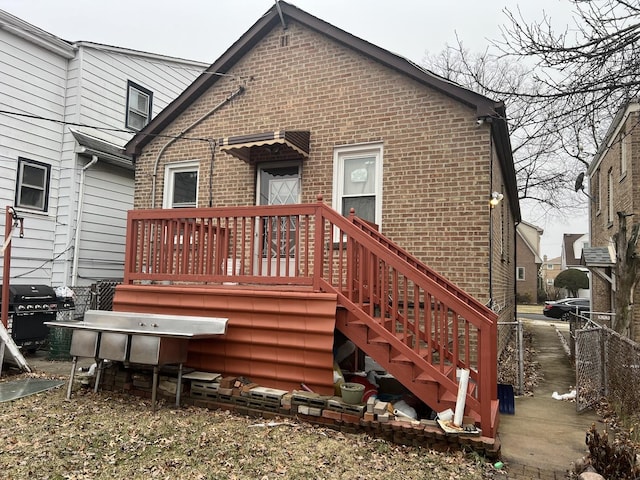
pixel 138 338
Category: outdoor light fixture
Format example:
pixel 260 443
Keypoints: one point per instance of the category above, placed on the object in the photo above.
pixel 495 199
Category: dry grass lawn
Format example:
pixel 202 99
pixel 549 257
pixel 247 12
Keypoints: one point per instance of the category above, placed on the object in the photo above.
pixel 114 436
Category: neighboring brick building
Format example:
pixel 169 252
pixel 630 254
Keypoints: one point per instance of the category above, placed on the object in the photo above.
pixel 614 179
pixel 528 262
pixel 416 154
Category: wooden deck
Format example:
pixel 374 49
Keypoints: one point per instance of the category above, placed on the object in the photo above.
pixel 294 272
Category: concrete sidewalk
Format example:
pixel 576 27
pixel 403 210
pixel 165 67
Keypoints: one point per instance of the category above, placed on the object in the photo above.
pixel 545 436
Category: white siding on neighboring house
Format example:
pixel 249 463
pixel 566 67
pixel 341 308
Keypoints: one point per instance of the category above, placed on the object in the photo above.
pixel 81 84
pixel 32 81
pixel 101 254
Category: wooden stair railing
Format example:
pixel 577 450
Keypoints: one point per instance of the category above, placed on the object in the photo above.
pixel 416 324
pixel 412 321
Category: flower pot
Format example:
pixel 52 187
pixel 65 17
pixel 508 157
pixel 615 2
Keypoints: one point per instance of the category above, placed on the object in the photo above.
pixel 352 393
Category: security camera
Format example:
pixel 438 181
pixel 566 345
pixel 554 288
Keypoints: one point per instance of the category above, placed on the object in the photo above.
pixel 480 121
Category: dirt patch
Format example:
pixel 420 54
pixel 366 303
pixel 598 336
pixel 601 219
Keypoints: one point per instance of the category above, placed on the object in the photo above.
pixel 109 435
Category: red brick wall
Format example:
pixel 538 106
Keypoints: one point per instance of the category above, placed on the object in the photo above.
pixel 625 192
pixel 438 166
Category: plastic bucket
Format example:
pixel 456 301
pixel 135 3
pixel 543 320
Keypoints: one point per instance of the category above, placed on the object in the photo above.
pixel 352 393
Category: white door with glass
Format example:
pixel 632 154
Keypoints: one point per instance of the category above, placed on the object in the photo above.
pixel 278 184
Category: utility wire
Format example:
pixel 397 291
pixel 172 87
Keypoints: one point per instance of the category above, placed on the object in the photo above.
pixel 104 129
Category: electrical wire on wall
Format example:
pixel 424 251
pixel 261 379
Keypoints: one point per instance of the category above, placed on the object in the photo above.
pixel 212 146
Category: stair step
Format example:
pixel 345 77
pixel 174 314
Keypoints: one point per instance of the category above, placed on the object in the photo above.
pixel 401 358
pixel 379 339
pixel 425 377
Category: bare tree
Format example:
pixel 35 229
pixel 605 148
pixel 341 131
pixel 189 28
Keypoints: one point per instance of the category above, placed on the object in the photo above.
pixel 546 165
pixel 562 85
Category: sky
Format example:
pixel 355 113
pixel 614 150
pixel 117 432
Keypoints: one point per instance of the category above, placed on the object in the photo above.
pixel 203 29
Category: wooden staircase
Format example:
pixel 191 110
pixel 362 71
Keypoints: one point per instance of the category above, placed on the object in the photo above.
pixel 419 327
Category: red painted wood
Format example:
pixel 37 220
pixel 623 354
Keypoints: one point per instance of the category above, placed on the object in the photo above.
pixel 276 338
pixel 414 313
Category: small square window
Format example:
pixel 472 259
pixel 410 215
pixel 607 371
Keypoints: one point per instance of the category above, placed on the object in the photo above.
pixel 139 103
pixel 181 185
pixel 32 185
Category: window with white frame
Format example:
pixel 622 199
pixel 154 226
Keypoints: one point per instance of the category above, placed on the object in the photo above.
pixel 357 181
pixel 520 273
pixel 139 103
pixel 550 282
pixel 181 185
pixel 32 185
pixel 549 266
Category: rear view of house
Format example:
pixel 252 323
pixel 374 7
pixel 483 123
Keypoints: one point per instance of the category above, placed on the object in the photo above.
pixel 311 182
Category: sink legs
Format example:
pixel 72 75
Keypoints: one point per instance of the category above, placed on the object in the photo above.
pixel 74 364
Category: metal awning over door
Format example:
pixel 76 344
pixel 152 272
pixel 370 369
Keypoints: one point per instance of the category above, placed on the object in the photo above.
pixel 269 146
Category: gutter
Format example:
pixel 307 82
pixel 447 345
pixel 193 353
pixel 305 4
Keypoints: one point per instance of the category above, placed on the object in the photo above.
pixel 76 245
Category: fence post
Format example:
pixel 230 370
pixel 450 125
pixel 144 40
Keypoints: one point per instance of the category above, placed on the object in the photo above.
pixel 604 359
pixel 318 264
pixel 519 328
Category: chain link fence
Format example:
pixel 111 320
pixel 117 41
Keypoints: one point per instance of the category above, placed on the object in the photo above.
pixel 98 296
pixel 607 365
pixel 511 355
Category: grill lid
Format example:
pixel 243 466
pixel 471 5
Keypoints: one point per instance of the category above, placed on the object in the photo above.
pixel 30 294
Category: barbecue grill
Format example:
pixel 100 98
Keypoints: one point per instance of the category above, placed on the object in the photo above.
pixel 29 307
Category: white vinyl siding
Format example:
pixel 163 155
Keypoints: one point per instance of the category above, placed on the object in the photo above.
pixel 107 198
pixel 82 84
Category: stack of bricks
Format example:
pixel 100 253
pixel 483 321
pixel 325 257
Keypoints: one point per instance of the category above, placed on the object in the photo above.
pixel 375 417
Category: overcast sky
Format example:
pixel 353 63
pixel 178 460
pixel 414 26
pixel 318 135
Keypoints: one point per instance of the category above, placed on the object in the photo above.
pixel 203 29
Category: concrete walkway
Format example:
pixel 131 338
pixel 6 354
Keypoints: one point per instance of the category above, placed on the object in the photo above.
pixel 545 436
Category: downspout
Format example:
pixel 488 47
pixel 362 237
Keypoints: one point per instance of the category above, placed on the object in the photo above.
pixel 490 218
pixel 239 91
pixel 76 245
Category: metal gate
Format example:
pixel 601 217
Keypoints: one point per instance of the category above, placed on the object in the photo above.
pixel 590 381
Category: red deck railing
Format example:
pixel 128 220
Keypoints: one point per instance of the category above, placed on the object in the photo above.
pixel 313 246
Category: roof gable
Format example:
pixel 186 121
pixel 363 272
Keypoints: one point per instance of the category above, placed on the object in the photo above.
pixel 281 13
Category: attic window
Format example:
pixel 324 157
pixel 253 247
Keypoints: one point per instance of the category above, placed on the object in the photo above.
pixel 284 40
pixel 139 103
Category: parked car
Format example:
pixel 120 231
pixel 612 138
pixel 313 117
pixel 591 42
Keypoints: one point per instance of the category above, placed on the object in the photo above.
pixel 563 308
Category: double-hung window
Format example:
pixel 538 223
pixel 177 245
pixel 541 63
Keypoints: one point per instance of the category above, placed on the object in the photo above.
pixel 357 181
pixel 139 103
pixel 181 185
pixel 32 185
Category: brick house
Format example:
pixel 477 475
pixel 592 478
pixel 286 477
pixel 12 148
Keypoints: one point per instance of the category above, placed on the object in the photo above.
pixel 297 123
pixel 528 262
pixel 613 183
